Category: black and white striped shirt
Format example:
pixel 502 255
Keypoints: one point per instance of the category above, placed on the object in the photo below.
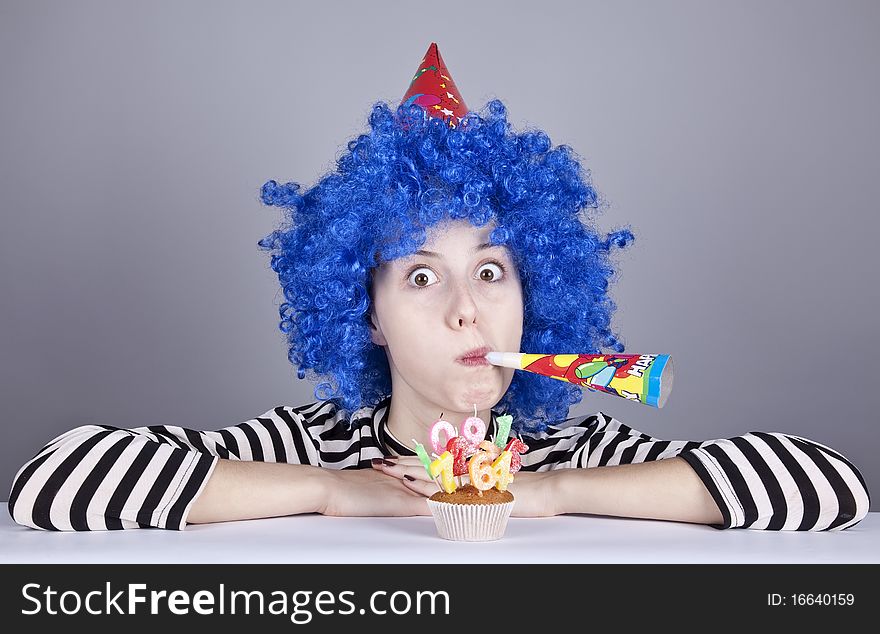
pixel 100 477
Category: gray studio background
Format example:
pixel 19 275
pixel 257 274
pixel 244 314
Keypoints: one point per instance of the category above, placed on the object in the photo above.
pixel 739 140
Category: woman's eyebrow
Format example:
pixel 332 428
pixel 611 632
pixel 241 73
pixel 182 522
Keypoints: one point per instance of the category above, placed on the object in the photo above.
pixel 432 254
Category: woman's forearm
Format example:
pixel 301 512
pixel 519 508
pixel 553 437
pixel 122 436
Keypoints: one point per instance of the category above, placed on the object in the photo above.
pixel 661 489
pixel 239 490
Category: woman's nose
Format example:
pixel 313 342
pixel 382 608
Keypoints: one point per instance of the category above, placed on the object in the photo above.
pixel 463 309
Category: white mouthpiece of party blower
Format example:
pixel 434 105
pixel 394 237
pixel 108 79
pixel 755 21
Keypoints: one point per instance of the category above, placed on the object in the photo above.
pixel 505 359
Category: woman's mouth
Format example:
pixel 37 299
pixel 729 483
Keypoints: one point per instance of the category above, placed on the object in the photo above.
pixel 474 361
pixel 475 357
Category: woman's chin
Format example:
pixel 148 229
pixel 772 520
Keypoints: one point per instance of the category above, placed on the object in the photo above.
pixel 483 396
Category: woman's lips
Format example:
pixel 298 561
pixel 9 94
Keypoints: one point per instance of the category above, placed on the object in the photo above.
pixel 475 356
pixel 474 361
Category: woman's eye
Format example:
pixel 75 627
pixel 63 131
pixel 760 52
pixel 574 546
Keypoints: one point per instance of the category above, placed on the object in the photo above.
pixel 421 277
pixel 491 272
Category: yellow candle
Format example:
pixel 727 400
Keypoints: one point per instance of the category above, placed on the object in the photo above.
pixel 442 466
pixel 501 469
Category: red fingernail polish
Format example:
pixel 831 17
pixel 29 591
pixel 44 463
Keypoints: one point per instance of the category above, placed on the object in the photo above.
pixel 389 463
pixel 409 477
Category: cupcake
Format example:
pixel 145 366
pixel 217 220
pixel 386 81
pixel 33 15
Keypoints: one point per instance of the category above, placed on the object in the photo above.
pixel 471 515
pixel 473 503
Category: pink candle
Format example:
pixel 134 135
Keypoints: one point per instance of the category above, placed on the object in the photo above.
pixel 474 429
pixel 446 429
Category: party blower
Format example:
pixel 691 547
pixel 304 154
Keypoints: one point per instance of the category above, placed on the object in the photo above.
pixel 645 378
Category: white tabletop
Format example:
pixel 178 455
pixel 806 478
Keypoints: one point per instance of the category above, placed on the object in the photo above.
pixel 318 539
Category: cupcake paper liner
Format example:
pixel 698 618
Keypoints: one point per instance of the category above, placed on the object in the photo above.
pixel 470 522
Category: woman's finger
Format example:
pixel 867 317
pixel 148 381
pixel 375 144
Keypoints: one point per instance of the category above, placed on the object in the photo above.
pixel 420 486
pixel 407 460
pixel 392 468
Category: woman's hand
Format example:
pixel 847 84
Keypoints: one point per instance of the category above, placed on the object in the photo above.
pixel 366 492
pixel 535 494
pixel 533 491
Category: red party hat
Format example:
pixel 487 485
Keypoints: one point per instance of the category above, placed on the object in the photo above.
pixel 432 88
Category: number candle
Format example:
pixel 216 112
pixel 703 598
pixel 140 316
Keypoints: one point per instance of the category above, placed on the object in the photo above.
pixel 501 469
pixel 474 429
pixel 480 471
pixel 445 427
pixel 458 447
pixel 504 423
pixel 442 466
pixel 516 447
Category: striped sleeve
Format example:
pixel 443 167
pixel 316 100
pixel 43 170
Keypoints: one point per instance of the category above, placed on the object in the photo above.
pixel 760 480
pixel 99 477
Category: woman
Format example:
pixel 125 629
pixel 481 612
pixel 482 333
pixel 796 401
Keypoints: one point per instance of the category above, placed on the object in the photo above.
pixel 430 242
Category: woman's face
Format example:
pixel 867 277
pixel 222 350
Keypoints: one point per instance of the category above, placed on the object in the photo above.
pixel 430 308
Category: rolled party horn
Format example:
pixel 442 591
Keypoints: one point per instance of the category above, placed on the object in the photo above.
pixel 644 378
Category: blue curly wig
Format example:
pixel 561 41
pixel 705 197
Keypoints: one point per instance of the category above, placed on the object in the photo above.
pixel 408 173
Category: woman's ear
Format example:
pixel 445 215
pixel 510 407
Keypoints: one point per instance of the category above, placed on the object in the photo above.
pixel 375 333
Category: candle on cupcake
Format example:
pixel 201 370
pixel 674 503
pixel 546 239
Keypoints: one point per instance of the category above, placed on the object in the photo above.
pixel 441 432
pixel 466 451
pixel 443 467
pixel 474 430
